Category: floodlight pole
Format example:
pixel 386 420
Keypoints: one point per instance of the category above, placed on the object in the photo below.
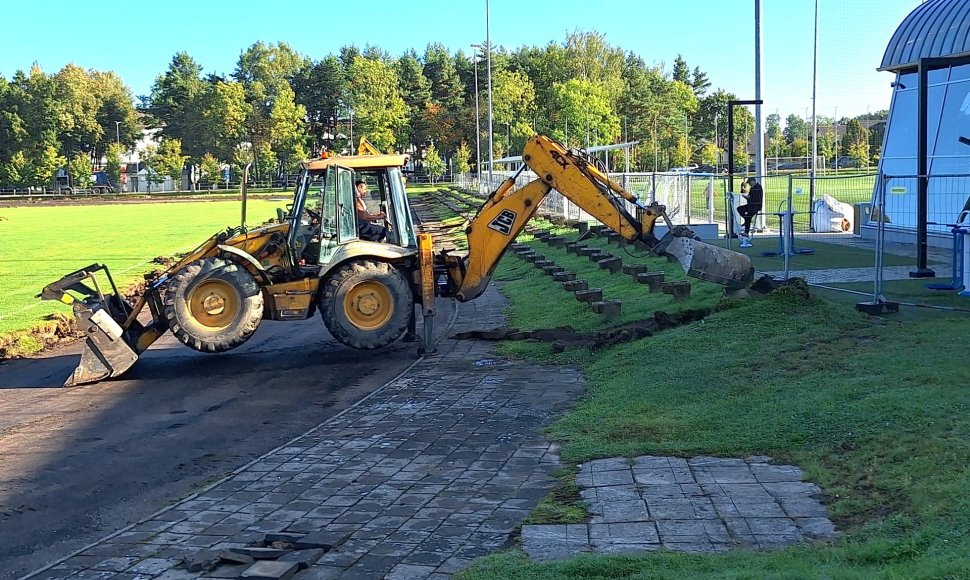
pixel 811 182
pixel 759 139
pixel 488 60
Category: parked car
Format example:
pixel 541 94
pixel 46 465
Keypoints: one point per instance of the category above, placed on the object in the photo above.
pixel 844 162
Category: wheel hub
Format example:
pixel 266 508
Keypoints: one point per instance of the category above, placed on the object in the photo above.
pixel 369 305
pixel 214 303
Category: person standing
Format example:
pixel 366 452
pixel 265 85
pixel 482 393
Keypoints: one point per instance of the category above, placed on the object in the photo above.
pixel 754 196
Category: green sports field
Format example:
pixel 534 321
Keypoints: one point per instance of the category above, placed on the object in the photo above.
pixel 42 243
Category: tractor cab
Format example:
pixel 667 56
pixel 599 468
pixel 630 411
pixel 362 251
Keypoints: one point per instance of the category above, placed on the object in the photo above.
pixel 324 223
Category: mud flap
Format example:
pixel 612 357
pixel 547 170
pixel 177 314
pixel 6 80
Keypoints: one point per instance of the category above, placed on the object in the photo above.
pixel 707 262
pixel 105 354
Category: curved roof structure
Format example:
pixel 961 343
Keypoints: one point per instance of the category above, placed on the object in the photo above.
pixel 935 28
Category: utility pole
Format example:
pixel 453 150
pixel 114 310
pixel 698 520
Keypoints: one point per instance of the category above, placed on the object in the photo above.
pixel 478 128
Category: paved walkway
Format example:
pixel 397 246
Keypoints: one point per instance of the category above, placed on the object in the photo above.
pixel 428 473
pixel 437 468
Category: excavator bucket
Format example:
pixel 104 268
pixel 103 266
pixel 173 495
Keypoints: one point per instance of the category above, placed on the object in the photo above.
pixel 98 312
pixel 706 261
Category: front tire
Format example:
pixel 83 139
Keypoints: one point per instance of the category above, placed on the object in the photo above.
pixel 366 304
pixel 213 305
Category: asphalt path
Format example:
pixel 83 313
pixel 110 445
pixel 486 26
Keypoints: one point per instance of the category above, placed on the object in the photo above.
pixel 79 463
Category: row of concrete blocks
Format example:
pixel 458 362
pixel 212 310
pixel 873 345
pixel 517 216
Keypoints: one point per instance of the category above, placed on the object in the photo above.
pixel 580 288
pixel 607 261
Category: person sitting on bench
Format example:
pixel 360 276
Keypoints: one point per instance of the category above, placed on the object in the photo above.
pixel 365 229
pixel 754 194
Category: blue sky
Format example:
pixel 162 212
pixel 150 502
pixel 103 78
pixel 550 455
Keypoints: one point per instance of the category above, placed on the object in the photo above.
pixel 138 40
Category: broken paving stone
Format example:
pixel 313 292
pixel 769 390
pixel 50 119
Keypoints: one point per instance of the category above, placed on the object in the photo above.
pixel 574 247
pixel 201 560
pixel 231 557
pixel 544 263
pixel 552 270
pixel 281 537
pixel 324 539
pixel 260 553
pixel 556 241
pixel 304 558
pixel 225 571
pixel 588 251
pixel 271 570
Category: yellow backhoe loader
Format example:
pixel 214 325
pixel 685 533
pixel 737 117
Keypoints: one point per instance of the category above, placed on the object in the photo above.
pixel 313 259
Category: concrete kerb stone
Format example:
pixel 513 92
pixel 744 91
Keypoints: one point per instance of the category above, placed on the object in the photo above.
pixel 608 308
pixel 614 265
pixel 654 279
pixel 589 296
pixel 634 269
pixel 575 285
pixel 563 276
pixel 678 290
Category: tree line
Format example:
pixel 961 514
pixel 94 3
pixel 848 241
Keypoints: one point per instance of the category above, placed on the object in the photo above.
pixel 279 107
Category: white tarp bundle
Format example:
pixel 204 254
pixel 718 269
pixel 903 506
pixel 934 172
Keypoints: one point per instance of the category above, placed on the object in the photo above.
pixel 831 215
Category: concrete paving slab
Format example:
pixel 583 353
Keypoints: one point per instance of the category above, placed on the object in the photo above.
pixel 700 505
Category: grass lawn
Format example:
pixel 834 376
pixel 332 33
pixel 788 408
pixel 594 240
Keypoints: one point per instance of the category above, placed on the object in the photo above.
pixel 42 243
pixel 873 409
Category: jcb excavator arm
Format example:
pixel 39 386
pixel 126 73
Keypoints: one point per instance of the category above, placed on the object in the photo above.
pixel 505 213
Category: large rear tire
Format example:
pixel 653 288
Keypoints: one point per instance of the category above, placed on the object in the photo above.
pixel 366 304
pixel 213 305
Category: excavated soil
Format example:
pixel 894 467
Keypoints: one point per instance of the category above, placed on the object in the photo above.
pixel 567 337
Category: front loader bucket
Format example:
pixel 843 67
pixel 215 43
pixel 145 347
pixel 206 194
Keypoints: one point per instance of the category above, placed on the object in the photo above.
pixel 100 313
pixel 708 262
pixel 105 353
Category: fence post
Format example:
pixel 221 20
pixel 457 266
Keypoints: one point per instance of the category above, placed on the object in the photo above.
pixel 788 230
pixel 877 296
pixel 709 193
pixel 689 198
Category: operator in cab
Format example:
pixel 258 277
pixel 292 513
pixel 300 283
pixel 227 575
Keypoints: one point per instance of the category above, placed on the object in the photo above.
pixel 366 229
